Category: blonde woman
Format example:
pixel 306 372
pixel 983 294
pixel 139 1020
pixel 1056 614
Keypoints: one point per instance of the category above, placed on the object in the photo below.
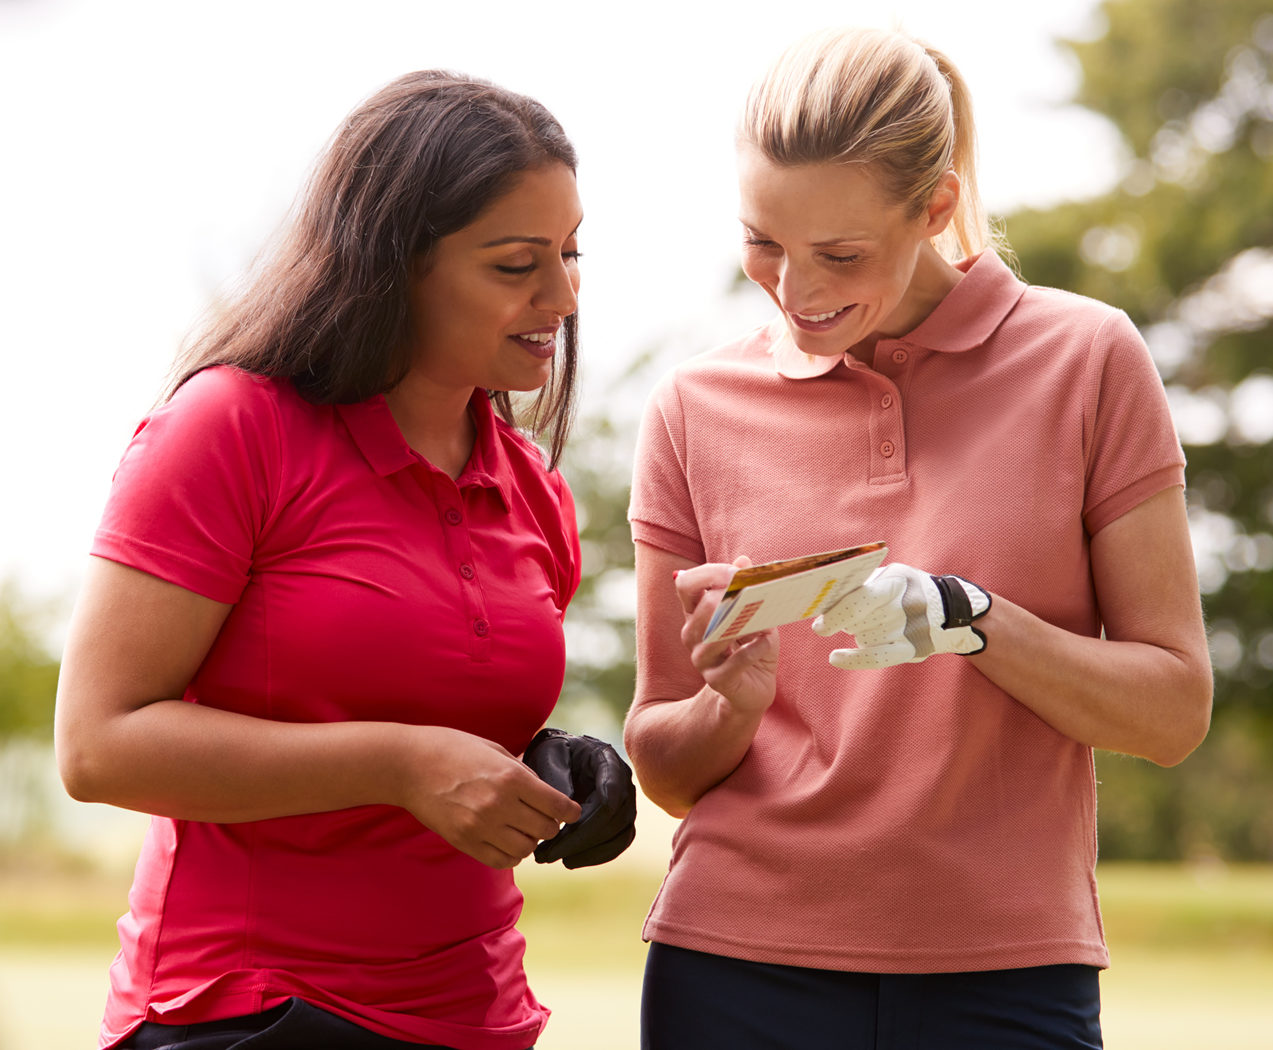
pixel 891 841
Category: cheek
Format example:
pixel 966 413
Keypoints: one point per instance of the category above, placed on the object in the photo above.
pixel 490 307
pixel 759 270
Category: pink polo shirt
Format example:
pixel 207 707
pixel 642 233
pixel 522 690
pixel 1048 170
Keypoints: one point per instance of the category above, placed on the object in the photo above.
pixel 367 585
pixel 915 819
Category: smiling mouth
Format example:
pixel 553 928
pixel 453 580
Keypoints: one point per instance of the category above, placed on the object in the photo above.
pixel 539 344
pixel 818 322
pixel 815 318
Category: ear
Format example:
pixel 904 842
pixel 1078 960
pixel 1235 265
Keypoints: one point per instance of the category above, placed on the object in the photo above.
pixel 942 204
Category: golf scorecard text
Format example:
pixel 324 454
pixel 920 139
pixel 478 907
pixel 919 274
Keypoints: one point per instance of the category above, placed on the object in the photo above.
pixel 781 592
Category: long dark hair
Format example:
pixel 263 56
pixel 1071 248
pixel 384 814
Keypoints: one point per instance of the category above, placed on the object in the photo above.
pixel 327 307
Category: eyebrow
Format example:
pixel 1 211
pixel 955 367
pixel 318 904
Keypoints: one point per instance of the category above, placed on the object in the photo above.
pixel 518 238
pixel 828 243
pixel 862 239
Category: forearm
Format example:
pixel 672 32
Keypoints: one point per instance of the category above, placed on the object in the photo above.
pixel 193 762
pixel 681 749
pixel 1132 697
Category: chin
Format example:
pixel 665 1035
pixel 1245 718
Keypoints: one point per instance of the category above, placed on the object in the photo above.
pixel 814 346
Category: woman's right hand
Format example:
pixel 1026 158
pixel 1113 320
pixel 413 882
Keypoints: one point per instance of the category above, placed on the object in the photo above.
pixel 743 670
pixel 481 799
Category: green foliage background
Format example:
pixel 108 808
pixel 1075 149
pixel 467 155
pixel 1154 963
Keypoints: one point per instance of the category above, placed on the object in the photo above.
pixel 28 672
pixel 1185 245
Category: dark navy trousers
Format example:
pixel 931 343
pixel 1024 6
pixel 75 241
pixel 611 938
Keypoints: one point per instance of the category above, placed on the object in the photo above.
pixel 697 1001
pixel 293 1025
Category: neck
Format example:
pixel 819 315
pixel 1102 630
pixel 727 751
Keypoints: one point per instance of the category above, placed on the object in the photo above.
pixel 932 281
pixel 435 422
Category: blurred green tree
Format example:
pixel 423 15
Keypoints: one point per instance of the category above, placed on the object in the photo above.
pixel 1185 245
pixel 601 623
pixel 28 674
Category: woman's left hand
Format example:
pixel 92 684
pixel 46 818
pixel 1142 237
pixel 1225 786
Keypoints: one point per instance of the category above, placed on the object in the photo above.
pixel 904 615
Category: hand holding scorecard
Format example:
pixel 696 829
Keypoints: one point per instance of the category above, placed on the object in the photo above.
pixel 782 592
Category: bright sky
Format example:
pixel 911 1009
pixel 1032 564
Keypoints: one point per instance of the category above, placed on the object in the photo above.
pixel 151 146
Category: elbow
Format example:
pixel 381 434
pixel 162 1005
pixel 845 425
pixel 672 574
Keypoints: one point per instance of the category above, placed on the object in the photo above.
pixel 77 778
pixel 1192 725
pixel 671 804
pixel 80 765
pixel 662 795
pixel 80 778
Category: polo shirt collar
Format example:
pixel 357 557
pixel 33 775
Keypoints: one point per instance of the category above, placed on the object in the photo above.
pixel 488 465
pixel 965 319
pixel 382 445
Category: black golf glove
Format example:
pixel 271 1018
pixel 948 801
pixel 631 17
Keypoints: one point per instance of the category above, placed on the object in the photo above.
pixel 591 772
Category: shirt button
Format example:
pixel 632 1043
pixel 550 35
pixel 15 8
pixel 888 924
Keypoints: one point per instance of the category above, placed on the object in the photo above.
pixel 887 449
pixel 453 516
pixel 467 572
pixel 481 628
pixel 886 401
pixel 899 357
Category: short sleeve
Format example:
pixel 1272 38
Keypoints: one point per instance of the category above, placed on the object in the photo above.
pixel 661 511
pixel 192 491
pixel 1133 450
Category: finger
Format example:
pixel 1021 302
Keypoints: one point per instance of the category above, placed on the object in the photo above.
pixel 602 853
pixel 692 585
pixel 859 606
pixel 737 654
pixel 607 813
pixel 537 828
pixel 613 776
pixel 493 857
pixel 871 657
pixel 508 847
pixel 548 801
pixel 575 840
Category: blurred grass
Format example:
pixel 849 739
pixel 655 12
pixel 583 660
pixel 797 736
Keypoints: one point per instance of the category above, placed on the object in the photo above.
pixel 1166 906
pixel 1192 951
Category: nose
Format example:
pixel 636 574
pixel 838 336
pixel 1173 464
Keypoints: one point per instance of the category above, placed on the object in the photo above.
pixel 796 286
pixel 791 285
pixel 559 292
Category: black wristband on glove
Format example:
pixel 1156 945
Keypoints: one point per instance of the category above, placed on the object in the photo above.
pixel 955 603
pixel 591 772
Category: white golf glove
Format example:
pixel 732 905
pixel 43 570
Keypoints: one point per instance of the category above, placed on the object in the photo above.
pixel 902 615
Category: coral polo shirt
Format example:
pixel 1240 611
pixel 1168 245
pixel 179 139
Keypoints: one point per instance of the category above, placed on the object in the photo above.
pixel 917 818
pixel 368 585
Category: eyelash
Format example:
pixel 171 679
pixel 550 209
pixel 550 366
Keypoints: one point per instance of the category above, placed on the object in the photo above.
pixel 521 271
pixel 839 260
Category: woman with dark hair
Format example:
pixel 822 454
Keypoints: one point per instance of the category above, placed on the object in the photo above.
pixel 324 610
